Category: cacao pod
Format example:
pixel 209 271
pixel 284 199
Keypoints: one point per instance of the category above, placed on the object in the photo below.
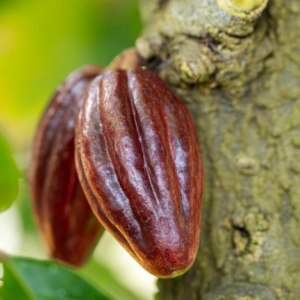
pixel 63 214
pixel 139 162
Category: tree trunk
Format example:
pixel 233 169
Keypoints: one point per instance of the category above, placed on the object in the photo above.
pixel 236 64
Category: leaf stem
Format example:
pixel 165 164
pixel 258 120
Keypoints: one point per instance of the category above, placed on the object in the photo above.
pixel 3 256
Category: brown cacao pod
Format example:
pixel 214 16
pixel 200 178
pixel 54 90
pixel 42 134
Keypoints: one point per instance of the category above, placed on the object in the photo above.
pixel 139 162
pixel 63 214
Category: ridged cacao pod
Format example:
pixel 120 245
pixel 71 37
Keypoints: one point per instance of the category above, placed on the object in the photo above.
pixel 63 214
pixel 139 162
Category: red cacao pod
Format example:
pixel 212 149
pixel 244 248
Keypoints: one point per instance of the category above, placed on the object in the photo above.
pixel 63 214
pixel 139 162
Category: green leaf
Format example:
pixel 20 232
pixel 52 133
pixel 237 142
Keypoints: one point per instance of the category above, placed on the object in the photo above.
pixel 101 276
pixel 8 176
pixel 30 279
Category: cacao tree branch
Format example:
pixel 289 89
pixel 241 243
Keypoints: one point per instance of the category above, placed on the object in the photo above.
pixel 236 66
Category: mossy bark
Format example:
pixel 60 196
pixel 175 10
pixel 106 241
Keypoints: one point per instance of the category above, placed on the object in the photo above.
pixel 237 67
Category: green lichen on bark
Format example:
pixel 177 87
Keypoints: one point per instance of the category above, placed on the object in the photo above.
pixel 239 75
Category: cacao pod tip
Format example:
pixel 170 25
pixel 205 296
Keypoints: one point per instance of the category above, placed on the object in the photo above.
pixel 173 266
pixel 177 273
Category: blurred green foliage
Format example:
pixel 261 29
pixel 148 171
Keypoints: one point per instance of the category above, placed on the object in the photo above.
pixel 8 176
pixel 103 278
pixel 41 41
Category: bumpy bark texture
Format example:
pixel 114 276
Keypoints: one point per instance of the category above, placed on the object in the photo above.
pixel 236 64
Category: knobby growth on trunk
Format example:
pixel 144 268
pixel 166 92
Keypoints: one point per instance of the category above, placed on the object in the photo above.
pixel 236 64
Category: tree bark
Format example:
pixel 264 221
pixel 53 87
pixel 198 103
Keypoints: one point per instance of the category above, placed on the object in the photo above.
pixel 236 64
